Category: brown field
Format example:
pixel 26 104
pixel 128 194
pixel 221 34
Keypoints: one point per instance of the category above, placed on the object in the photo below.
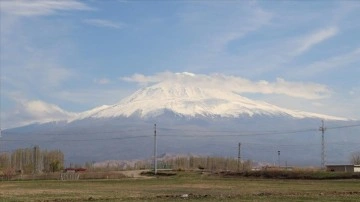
pixel 189 186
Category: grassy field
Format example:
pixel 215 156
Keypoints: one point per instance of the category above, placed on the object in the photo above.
pixel 189 186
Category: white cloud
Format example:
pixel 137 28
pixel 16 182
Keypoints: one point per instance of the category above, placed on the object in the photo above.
pixel 40 7
pixel 104 23
pixel 144 80
pixel 237 84
pixel 32 63
pixel 33 111
pixel 44 111
pixel 315 38
pixel 92 97
pixel 102 81
pixel 317 104
pixel 338 61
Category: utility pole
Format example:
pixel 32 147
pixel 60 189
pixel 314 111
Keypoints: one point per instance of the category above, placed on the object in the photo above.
pixel 0 141
pixel 155 148
pixel 322 129
pixel 35 156
pixel 239 158
pixel 21 158
pixel 279 158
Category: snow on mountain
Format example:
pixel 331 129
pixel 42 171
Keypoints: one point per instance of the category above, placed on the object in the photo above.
pixel 88 113
pixel 202 109
pixel 192 101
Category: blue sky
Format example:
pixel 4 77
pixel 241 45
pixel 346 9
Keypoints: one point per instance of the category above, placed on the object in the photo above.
pixel 64 57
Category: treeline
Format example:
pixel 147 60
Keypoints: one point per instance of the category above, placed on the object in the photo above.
pixel 32 160
pixel 207 163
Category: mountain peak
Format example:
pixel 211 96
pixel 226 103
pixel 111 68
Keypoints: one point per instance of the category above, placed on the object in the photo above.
pixel 187 100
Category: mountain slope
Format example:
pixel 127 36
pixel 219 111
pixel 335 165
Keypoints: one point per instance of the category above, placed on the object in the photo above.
pixel 207 121
pixel 192 101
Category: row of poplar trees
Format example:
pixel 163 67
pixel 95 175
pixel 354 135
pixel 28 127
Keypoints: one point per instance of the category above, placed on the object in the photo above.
pixel 198 162
pixel 32 160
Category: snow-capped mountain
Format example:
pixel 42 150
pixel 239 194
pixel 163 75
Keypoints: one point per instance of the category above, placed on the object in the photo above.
pixel 190 119
pixel 192 101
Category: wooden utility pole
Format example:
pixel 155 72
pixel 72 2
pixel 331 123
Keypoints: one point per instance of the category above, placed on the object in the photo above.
pixel 239 158
pixel 155 152
pixel 279 158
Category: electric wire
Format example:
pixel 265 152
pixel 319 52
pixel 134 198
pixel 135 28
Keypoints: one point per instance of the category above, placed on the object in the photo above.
pixel 224 133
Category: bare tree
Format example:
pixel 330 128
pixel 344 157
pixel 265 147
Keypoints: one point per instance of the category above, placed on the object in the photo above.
pixel 355 158
pixel 4 160
pixel 8 173
pixel 33 160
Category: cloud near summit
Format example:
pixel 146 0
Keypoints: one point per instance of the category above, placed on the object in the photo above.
pixel 305 90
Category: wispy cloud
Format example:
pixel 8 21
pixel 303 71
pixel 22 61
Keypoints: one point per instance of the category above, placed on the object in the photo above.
pixel 239 85
pixel 104 23
pixel 30 67
pixel 212 34
pixel 280 53
pixel 315 38
pixel 102 81
pixel 338 61
pixel 87 98
pixel 40 7
pixel 229 44
pixel 255 21
pixel 48 71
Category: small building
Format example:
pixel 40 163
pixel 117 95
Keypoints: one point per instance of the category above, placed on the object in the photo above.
pixel 343 168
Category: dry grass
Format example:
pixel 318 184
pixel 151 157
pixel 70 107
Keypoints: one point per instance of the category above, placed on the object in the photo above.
pixel 296 174
pixel 198 187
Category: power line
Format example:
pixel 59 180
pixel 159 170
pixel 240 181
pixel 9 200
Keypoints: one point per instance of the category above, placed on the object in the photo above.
pixel 228 133
pixel 241 135
pixel 237 131
pixel 346 126
pixel 77 132
pixel 304 144
pixel 248 133
pixel 76 140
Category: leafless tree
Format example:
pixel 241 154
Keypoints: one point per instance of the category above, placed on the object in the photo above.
pixel 8 173
pixel 355 158
pixel 4 160
pixel 31 160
